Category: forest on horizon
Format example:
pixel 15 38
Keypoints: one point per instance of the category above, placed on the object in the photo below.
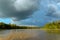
pixel 50 25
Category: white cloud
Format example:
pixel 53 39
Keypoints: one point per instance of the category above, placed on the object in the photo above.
pixel 53 10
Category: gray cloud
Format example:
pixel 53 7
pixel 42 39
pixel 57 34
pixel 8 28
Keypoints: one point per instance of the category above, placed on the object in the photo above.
pixel 18 9
pixel 53 11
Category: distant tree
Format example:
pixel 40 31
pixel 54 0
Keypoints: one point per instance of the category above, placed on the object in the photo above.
pixel 53 27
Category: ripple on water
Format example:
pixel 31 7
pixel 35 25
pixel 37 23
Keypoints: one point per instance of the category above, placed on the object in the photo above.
pixel 27 34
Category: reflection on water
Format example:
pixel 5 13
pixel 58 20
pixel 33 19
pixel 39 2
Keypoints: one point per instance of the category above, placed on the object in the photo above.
pixel 27 34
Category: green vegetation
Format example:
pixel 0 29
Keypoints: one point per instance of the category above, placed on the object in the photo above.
pixel 9 26
pixel 49 26
pixel 14 26
pixel 53 27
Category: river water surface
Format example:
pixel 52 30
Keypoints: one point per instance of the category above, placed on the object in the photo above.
pixel 27 34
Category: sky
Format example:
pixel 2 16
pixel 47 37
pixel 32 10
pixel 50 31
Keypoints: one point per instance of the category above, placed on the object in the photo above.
pixel 29 12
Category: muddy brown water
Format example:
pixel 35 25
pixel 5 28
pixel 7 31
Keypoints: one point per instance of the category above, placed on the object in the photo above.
pixel 27 34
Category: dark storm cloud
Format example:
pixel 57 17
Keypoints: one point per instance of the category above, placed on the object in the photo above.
pixel 18 9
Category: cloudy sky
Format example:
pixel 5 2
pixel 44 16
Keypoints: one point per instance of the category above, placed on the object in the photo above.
pixel 29 12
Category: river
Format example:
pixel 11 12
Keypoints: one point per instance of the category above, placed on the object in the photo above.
pixel 27 34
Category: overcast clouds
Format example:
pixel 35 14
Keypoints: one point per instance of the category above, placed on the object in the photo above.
pixel 18 9
pixel 49 11
pixel 54 9
pixel 30 12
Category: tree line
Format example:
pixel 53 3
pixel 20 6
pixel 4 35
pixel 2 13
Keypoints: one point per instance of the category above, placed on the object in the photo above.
pixel 14 26
pixel 53 27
